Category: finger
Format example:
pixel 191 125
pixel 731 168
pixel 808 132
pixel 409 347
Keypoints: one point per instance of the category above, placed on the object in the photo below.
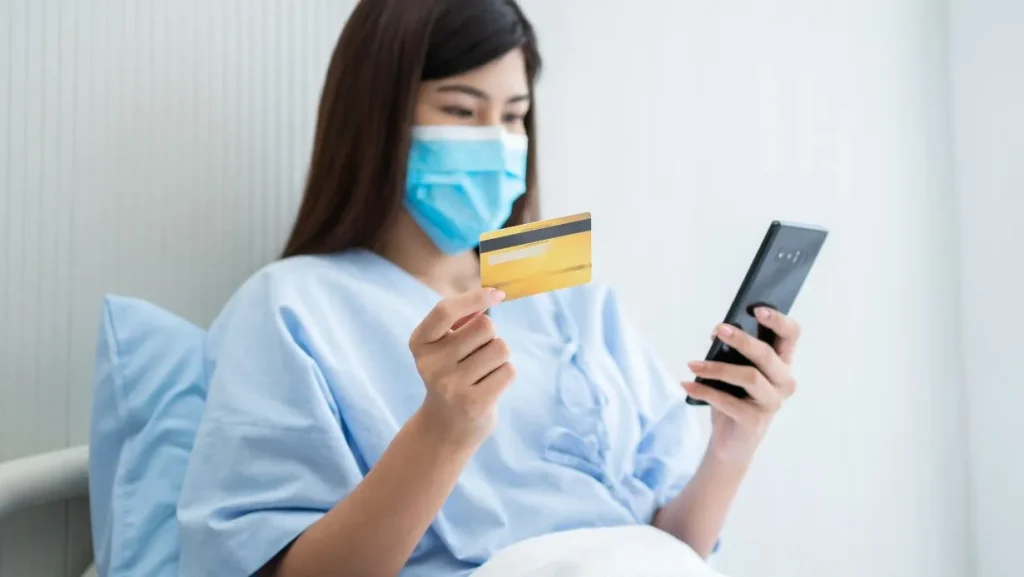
pixel 463 342
pixel 756 351
pixel 440 320
pixel 497 381
pixel 464 320
pixel 484 361
pixel 786 330
pixel 736 409
pixel 748 378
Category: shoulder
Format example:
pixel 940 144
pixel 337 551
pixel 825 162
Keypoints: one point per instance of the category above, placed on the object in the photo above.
pixel 297 288
pixel 301 276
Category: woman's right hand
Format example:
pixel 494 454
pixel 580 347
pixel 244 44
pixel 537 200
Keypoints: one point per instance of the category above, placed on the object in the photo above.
pixel 463 363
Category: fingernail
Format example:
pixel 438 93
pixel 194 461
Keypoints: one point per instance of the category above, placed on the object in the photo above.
pixel 497 296
pixel 698 366
pixel 763 313
pixel 725 331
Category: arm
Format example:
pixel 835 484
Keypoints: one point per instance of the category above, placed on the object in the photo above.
pixel 696 516
pixel 695 482
pixel 375 528
pixel 275 484
pixel 739 425
pixel 373 531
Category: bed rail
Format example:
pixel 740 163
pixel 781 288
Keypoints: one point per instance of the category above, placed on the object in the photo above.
pixel 44 478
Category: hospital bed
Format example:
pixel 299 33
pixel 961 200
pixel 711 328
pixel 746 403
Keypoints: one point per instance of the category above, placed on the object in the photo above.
pixel 63 475
pixel 140 342
pixel 42 479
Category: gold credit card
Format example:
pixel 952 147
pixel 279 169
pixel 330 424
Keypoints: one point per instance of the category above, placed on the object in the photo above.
pixel 537 257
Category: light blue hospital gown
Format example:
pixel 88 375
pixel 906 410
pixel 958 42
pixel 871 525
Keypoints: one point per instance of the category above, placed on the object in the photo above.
pixel 311 378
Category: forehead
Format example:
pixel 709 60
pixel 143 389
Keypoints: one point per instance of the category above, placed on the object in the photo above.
pixel 503 76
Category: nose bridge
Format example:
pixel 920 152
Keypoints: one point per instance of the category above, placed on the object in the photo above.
pixel 491 115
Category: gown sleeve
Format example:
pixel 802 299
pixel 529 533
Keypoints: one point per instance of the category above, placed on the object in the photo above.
pixel 270 455
pixel 672 440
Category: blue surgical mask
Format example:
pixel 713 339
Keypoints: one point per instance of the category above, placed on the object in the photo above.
pixel 463 181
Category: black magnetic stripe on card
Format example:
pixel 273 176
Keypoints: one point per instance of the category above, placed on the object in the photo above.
pixel 532 236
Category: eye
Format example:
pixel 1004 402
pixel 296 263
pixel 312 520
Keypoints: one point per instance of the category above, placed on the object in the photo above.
pixel 458 112
pixel 513 119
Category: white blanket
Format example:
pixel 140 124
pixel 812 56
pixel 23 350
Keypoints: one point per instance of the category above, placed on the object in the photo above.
pixel 639 551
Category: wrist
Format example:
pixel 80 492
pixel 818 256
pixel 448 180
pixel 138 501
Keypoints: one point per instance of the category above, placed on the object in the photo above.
pixel 728 462
pixel 446 433
pixel 730 453
pixel 723 471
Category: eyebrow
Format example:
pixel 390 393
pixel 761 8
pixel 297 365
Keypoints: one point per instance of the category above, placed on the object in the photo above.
pixel 477 93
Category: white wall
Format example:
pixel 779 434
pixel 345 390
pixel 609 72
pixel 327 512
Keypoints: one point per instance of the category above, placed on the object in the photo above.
pixel 157 149
pixel 685 127
pixel 988 81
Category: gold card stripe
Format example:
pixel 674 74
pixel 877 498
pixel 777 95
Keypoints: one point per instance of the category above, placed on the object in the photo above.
pixel 543 275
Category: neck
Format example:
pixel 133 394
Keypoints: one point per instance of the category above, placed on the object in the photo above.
pixel 411 249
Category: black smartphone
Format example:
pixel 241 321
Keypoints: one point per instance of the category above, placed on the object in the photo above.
pixel 774 279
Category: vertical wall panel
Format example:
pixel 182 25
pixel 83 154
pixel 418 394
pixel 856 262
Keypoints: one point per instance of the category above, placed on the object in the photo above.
pixel 149 148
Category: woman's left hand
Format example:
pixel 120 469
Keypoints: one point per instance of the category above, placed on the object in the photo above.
pixel 738 425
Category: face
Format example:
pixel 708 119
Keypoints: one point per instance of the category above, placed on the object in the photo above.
pixel 496 94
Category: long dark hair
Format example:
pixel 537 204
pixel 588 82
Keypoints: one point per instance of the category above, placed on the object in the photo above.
pixel 356 179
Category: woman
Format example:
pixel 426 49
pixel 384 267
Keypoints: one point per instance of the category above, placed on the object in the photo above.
pixel 372 411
